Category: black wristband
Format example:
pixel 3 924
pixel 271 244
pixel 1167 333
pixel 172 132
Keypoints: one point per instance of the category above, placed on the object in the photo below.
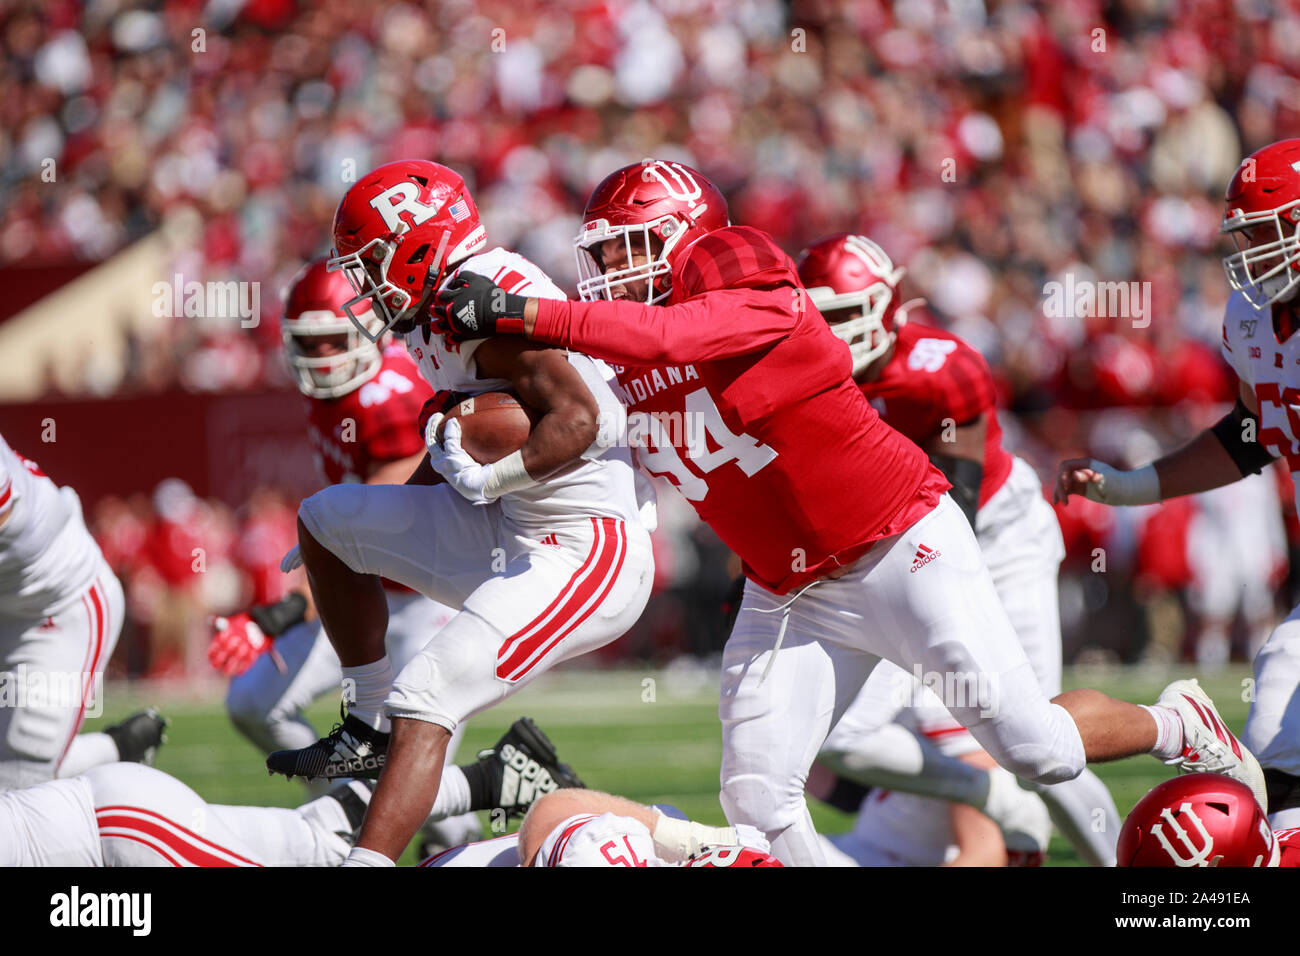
pixel 965 476
pixel 275 619
pixel 846 795
pixel 1250 457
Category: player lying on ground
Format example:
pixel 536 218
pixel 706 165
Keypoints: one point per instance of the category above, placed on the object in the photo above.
pixel 896 828
pixel 1204 820
pixel 363 404
pixel 1259 342
pixel 61 614
pixel 852 549
pixel 589 828
pixel 543 550
pixel 125 814
pixel 939 392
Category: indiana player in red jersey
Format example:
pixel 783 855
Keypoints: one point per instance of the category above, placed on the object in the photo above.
pixel 1262 216
pixel 742 399
pixel 938 391
pixel 1202 820
pixel 543 551
pixel 362 401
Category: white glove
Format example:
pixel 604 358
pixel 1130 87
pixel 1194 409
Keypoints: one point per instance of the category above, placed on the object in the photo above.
pixel 450 460
pixel 291 560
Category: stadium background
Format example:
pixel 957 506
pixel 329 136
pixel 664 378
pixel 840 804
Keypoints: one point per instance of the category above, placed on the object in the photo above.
pixel 992 148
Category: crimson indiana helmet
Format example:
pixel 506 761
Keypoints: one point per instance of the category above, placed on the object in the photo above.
pixel 669 201
pixel 396 232
pixel 1263 199
pixel 1198 819
pixel 848 271
pixel 314 306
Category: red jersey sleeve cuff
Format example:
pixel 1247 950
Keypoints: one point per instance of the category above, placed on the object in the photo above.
pixel 552 321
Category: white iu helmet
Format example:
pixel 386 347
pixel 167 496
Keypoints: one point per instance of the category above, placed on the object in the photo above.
pixel 314 307
pixel 846 271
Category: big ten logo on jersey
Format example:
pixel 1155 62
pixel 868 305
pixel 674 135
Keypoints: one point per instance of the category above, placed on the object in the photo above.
pixel 928 355
pixel 699 431
pixel 386 384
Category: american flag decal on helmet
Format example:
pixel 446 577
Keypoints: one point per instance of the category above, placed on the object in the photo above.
pixel 459 210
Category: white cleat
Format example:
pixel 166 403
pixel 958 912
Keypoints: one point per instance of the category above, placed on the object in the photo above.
pixel 1208 745
pixel 1026 825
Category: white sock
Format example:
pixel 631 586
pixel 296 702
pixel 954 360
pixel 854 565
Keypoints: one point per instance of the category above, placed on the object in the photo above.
pixel 1169 732
pixel 88 750
pixel 370 684
pixel 361 857
pixel 453 794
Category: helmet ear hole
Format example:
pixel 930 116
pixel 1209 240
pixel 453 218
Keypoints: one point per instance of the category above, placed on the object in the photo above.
pixel 419 254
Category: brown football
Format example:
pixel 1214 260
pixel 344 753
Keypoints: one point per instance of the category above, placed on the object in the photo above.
pixel 492 425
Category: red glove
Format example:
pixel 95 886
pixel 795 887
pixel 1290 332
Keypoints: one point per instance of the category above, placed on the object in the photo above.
pixel 236 643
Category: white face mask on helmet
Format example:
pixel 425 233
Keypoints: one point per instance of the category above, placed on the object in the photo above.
pixel 332 376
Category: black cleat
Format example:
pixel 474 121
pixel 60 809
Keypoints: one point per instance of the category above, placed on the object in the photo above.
pixel 352 749
pixel 522 767
pixel 139 736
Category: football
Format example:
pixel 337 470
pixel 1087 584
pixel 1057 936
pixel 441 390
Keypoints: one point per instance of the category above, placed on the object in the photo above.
pixel 492 425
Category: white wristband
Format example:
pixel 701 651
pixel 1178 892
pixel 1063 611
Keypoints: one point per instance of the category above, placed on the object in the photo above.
pixel 676 840
pixel 507 475
pixel 1138 487
pixel 363 857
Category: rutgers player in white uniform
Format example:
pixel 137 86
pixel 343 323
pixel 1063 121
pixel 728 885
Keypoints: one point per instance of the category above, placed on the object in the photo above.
pixel 125 814
pixel 938 391
pixel 61 614
pixel 895 828
pixel 587 828
pixel 543 568
pixel 1261 344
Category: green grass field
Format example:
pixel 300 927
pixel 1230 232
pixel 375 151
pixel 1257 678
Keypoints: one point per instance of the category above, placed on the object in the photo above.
pixel 649 735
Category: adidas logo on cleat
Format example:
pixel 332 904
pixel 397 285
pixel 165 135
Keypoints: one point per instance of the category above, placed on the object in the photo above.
pixel 523 779
pixel 923 557
pixel 349 766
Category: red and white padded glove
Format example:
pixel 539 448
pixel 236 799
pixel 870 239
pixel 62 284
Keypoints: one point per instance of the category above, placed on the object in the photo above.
pixel 236 643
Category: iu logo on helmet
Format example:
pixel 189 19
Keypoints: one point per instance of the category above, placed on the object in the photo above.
pixel 682 186
pixel 404 197
pixel 1196 857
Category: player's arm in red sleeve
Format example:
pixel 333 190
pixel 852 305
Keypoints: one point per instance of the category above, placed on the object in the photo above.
pixel 711 325
pixel 960 401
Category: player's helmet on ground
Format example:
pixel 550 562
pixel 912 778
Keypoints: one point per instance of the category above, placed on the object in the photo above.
pixel 1262 217
pixel 732 856
pixel 670 202
pixel 313 309
pixel 847 271
pixel 1198 819
pixel 396 232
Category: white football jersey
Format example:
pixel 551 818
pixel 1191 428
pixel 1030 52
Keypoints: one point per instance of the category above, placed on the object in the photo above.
pixel 902 829
pixel 501 851
pixel 47 557
pixel 1272 370
pixel 604 839
pixel 603 485
pixel 50 824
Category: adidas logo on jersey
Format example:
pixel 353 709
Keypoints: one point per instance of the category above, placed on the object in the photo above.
pixel 524 780
pixel 923 557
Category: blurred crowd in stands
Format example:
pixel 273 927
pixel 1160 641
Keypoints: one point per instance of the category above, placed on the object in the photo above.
pixel 993 148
